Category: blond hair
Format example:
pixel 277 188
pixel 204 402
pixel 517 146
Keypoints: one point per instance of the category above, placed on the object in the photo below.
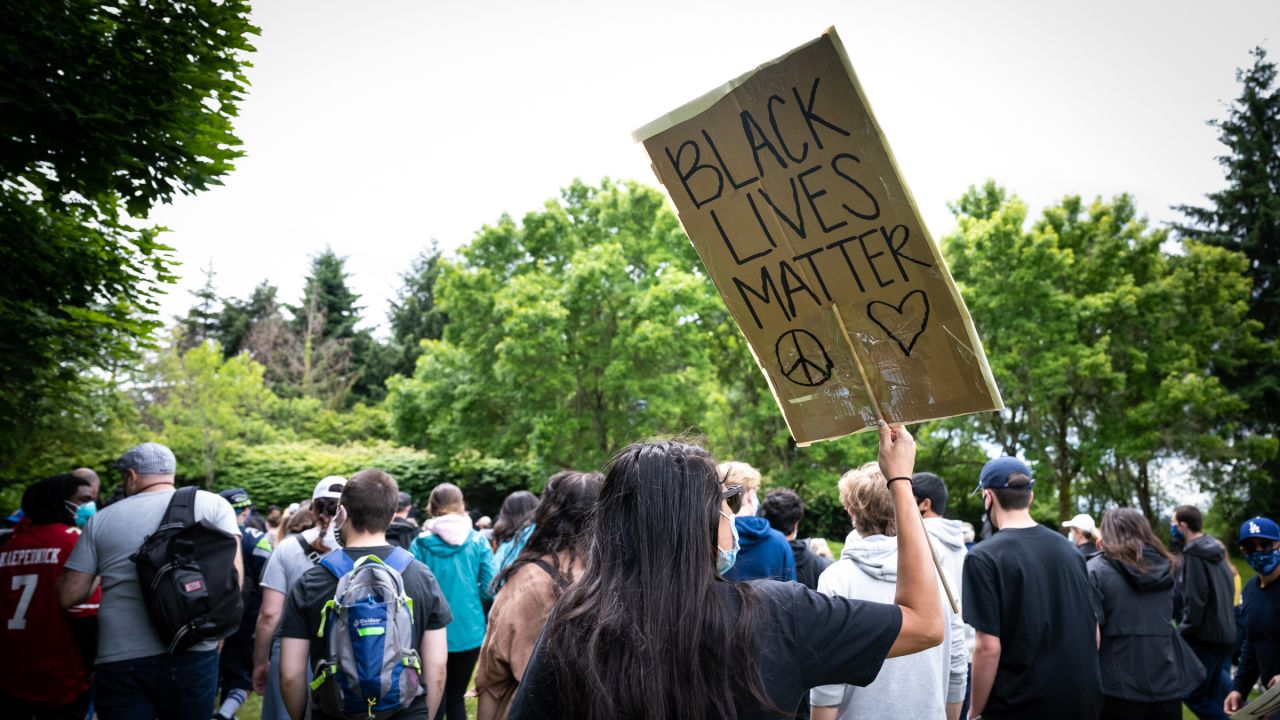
pixel 865 496
pixel 739 473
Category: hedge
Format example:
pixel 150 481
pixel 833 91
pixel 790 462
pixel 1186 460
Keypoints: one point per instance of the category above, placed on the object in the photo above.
pixel 282 473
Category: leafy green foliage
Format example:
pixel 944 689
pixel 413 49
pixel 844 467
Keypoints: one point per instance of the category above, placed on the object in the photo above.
pixel 581 329
pixel 1099 339
pixel 205 403
pixel 282 473
pixel 1245 217
pixel 413 314
pixel 109 109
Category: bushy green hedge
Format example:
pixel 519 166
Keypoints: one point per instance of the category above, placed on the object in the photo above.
pixel 282 473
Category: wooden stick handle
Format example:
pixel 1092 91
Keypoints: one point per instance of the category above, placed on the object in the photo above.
pixel 875 405
pixel 937 564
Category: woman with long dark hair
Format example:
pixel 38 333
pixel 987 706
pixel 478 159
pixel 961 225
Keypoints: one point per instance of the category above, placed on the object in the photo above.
pixel 651 631
pixel 1147 668
pixel 530 585
pixel 513 526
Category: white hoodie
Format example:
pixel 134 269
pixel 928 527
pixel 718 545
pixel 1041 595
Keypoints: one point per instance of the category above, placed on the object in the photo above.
pixel 452 529
pixel 908 687
pixel 948 539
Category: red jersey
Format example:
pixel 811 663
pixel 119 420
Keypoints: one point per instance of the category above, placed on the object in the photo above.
pixel 39 660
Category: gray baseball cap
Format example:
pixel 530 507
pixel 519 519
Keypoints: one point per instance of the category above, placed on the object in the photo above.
pixel 148 459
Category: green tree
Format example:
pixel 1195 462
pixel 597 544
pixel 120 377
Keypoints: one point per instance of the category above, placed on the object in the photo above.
pixel 1245 217
pixel 239 317
pixel 325 293
pixel 109 109
pixel 204 404
pixel 203 320
pixel 576 331
pixel 414 314
pixel 1104 345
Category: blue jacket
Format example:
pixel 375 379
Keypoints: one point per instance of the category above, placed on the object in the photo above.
pixel 510 550
pixel 462 562
pixel 765 552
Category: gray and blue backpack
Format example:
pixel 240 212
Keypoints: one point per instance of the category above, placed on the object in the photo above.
pixel 370 667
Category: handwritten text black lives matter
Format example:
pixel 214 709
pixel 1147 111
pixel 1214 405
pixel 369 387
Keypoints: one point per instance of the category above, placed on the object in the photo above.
pixel 834 214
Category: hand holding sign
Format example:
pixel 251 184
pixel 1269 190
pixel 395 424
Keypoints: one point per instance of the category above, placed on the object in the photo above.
pixel 790 194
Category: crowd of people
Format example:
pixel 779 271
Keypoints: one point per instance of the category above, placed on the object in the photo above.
pixel 668 586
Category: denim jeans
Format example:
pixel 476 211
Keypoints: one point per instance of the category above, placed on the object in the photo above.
pixel 168 687
pixel 1206 700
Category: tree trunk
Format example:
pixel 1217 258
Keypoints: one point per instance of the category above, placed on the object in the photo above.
pixel 1144 493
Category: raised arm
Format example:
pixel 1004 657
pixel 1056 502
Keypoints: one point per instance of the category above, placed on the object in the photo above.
pixel 917 590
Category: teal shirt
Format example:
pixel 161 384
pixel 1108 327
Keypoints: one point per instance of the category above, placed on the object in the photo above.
pixel 510 550
pixel 465 573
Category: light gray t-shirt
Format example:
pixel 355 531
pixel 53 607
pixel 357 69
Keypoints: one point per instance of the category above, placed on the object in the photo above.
pixel 112 535
pixel 287 563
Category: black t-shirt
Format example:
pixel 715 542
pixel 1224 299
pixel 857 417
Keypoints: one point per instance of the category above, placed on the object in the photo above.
pixel 803 639
pixel 302 610
pixel 1029 587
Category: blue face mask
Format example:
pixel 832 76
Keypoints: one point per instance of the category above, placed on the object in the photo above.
pixel 1263 561
pixel 727 558
pixel 84 512
pixel 1175 533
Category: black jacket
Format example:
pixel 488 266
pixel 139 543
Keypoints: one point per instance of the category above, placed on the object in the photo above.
pixel 1208 595
pixel 1142 657
pixel 808 565
pixel 401 533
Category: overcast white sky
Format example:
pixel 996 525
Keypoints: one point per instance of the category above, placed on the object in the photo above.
pixel 375 127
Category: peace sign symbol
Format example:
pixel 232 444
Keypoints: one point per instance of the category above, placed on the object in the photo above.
pixel 802 358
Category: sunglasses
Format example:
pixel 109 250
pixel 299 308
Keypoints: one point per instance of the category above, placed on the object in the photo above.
pixel 730 491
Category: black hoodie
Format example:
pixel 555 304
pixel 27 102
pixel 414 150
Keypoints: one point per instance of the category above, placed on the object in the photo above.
pixel 1208 595
pixel 1141 656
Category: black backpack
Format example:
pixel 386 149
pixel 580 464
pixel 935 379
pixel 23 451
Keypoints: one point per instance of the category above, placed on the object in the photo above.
pixel 188 576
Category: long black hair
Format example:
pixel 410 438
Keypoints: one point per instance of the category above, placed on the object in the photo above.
pixel 45 502
pixel 517 511
pixel 647 632
pixel 566 502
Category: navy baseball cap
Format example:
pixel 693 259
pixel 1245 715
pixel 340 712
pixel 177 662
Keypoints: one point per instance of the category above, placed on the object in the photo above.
pixel 1259 527
pixel 995 474
pixel 238 497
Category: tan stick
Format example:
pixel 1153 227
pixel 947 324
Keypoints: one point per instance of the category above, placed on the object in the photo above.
pixel 875 405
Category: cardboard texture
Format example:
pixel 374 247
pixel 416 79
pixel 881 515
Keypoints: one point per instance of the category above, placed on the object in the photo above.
pixel 788 190
pixel 1262 707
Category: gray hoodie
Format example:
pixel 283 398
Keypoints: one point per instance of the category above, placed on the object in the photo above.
pixel 908 687
pixel 948 540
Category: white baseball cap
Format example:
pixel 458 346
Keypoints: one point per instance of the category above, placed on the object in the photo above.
pixel 1083 523
pixel 330 487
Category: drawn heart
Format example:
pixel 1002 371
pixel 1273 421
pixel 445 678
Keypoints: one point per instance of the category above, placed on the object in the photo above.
pixel 901 321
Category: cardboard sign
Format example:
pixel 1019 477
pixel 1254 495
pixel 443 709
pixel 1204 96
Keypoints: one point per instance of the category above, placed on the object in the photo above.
pixel 789 192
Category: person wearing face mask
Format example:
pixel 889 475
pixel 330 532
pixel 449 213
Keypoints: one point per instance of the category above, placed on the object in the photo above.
pixel 44 671
pixel 1260 610
pixel 762 552
pixel 652 629
pixel 293 556
pixel 135 675
pixel 1035 615
pixel 1208 621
